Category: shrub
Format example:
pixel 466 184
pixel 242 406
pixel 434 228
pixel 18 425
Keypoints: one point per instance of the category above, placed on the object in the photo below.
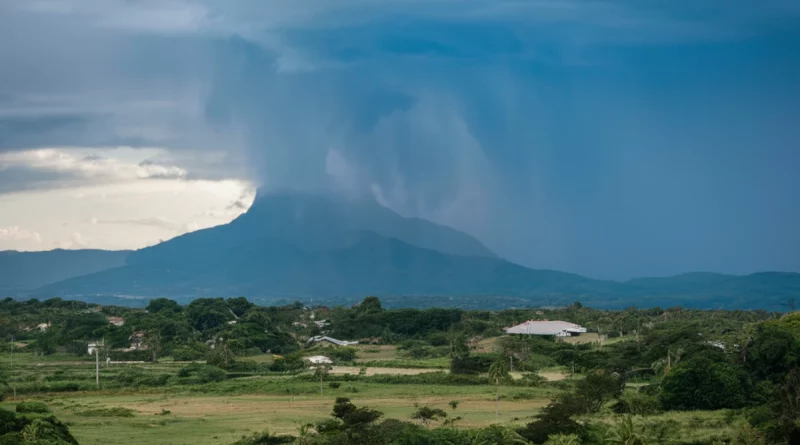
pixel 32 407
pixel 345 354
pixel 475 364
pixel 137 377
pixel 636 403
pixel 197 373
pixel 334 385
pixel 14 438
pixel 187 354
pixel 701 383
pixel 107 412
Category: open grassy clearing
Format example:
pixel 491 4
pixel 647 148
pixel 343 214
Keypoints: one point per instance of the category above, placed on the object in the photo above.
pixel 223 419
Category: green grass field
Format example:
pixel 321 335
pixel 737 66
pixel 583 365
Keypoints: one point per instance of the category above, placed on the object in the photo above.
pixel 222 412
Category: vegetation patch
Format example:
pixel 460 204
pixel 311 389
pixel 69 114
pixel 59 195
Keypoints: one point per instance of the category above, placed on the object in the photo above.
pixel 107 412
pixel 32 407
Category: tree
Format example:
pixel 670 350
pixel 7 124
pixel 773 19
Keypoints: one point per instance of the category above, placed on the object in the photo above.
pixel 207 313
pixel 221 356
pixel 597 388
pixel 370 305
pixel 702 383
pixel 356 423
pixel 427 414
pixel 453 404
pixel 239 306
pixel 163 305
pixel 773 352
pixel 497 435
pixel 498 371
pixel 152 339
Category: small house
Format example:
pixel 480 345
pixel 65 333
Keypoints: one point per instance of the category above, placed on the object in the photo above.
pixel 550 328
pixel 94 347
pixel 116 321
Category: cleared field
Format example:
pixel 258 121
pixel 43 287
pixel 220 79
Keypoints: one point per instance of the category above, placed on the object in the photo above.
pixel 223 419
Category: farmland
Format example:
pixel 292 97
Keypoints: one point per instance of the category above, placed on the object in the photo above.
pixel 204 377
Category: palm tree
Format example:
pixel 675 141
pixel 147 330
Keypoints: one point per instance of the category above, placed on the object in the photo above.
pixel 498 371
pixel 497 435
pixel 31 431
pixel 625 432
pixel 563 439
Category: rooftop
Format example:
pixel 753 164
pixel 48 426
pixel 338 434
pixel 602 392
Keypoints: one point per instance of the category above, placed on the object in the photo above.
pixel 546 327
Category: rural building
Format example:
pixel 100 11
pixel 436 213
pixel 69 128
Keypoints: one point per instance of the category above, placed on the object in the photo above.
pixel 328 341
pixel 552 328
pixel 137 342
pixel 43 326
pixel 319 360
pixel 93 346
pixel 116 321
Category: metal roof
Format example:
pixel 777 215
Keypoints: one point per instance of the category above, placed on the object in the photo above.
pixel 319 338
pixel 546 327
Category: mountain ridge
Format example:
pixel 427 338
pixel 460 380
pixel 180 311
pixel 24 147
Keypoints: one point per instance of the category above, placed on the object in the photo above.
pixel 298 246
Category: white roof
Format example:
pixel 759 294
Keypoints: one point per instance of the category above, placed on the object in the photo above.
pixel 544 327
pixel 319 338
pixel 317 359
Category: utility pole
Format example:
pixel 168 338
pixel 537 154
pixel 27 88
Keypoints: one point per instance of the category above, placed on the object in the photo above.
pixel 12 365
pixel 511 358
pixel 97 367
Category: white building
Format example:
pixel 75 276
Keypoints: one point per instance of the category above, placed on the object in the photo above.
pixel 553 328
pixel 329 340
pixel 319 360
pixel 94 346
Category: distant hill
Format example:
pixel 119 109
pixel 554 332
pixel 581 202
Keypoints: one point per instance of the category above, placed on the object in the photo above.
pixel 295 246
pixel 30 270
pixel 370 264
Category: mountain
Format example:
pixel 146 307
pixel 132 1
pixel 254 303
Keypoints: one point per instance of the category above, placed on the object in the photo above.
pixel 370 264
pixel 313 223
pixel 29 270
pixel 296 246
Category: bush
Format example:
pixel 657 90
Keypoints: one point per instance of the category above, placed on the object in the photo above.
pixel 265 438
pixel 636 403
pixel 197 373
pixel 187 354
pixel 701 383
pixel 12 439
pixel 107 412
pixel 345 354
pixel 32 407
pixel 475 364
pixel 334 385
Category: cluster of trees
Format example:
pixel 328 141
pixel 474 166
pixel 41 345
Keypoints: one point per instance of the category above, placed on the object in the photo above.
pixel 33 424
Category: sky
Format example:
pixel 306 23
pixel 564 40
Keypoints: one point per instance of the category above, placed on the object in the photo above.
pixel 611 138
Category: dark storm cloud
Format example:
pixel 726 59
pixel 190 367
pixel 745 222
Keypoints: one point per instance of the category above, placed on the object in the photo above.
pixel 613 138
